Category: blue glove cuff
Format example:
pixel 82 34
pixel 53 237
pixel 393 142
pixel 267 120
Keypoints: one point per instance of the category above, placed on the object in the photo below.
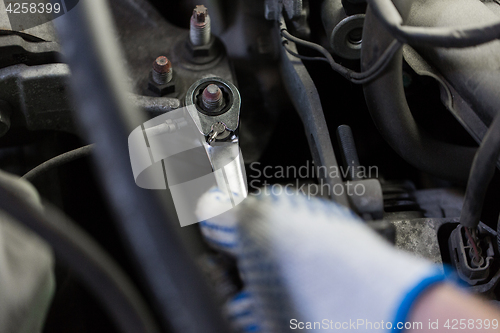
pixel 402 314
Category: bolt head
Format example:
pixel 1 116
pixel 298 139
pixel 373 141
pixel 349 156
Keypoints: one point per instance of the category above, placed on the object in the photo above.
pixel 162 65
pixel 200 13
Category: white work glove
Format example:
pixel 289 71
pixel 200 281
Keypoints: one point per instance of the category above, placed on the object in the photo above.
pixel 310 260
pixel 27 280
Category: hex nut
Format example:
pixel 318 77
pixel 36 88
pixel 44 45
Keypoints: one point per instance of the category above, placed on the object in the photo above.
pixel 204 53
pixel 161 89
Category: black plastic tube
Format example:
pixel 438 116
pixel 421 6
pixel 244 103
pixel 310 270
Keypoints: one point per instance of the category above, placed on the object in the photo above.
pixel 178 293
pixel 57 161
pixel 483 170
pixel 391 114
pixel 82 254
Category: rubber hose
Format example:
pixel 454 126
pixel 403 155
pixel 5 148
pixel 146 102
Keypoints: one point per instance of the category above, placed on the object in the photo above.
pixel 100 273
pixel 391 114
pixel 57 161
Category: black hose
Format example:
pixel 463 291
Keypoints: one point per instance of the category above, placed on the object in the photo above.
pixel 449 37
pixel 391 114
pixel 83 255
pixel 174 284
pixel 483 170
pixel 57 161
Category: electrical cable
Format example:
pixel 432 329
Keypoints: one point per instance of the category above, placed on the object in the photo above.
pixel 472 241
pixel 57 161
pixel 354 77
pixel 296 55
pixel 447 37
pixel 481 173
pixel 86 257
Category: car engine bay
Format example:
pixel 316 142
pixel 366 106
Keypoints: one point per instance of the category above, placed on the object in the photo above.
pixel 335 99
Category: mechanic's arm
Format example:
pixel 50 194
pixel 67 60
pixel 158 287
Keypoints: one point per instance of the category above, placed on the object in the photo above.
pixel 445 302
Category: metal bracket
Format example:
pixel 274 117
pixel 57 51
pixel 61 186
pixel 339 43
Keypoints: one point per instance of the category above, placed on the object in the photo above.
pixel 305 98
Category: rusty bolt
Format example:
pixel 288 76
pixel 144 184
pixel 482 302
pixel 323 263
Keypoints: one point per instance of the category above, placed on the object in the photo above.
pixel 199 32
pixel 162 70
pixel 212 97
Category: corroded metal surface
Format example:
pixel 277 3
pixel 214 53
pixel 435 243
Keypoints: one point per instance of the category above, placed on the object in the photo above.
pixel 418 236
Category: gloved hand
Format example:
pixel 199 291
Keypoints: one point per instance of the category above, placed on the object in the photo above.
pixel 27 280
pixel 310 260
